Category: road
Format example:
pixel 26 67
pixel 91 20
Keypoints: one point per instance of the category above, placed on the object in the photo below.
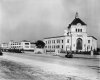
pixel 58 68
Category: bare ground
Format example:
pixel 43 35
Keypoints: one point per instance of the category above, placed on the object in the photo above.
pixel 14 71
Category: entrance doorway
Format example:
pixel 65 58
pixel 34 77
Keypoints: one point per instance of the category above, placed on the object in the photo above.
pixel 79 44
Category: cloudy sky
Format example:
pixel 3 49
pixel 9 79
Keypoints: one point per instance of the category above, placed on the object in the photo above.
pixel 37 19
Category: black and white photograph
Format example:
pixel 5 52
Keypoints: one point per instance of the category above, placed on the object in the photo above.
pixel 49 39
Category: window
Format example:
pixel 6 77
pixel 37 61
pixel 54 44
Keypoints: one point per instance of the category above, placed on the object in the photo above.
pixel 62 46
pixel 62 41
pixel 76 30
pixel 58 41
pixel 81 30
pixel 91 47
pixel 26 43
pixel 88 46
pixel 54 46
pixel 67 40
pixel 50 41
pixel 54 41
pixel 57 46
pixel 88 41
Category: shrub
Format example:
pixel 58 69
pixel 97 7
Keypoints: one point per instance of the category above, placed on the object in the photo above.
pixel 39 52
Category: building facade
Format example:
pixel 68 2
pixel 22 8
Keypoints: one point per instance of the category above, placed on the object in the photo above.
pixel 75 38
pixel 14 45
pixel 27 45
pixel 24 44
pixel 4 46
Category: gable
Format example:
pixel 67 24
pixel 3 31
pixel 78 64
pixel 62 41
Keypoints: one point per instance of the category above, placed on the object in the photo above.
pixel 76 21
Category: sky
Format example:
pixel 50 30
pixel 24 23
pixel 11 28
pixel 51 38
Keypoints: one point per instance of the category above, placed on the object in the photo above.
pixel 37 19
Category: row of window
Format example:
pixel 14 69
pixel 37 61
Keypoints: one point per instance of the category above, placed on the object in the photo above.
pixel 26 43
pixel 78 30
pixel 54 46
pixel 29 46
pixel 54 41
pixel 26 46
pixel 16 44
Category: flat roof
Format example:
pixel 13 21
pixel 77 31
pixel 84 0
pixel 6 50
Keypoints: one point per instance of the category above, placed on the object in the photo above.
pixel 54 37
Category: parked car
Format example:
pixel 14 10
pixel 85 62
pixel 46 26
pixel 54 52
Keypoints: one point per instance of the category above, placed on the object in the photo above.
pixel 69 55
pixel 1 53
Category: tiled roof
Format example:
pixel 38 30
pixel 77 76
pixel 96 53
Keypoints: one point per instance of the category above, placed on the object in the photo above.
pixel 75 21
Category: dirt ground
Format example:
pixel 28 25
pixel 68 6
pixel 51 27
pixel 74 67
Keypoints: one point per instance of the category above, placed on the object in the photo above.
pixel 21 67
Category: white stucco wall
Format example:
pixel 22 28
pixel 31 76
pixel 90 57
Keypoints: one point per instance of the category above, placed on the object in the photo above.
pixel 29 46
pixel 75 32
pixel 51 44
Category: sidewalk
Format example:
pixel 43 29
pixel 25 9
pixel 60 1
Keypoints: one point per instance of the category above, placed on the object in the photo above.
pixel 82 56
pixel 63 55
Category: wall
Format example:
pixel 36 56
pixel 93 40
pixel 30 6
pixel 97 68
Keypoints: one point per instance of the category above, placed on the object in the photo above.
pixel 52 44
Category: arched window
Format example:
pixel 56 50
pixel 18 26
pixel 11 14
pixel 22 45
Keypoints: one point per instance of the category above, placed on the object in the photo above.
pixel 76 30
pixel 81 30
pixel 79 44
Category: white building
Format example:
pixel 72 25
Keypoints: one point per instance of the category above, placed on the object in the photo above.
pixel 14 45
pixel 4 46
pixel 25 45
pixel 75 38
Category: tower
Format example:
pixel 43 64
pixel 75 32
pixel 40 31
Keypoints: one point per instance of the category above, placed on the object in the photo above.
pixel 76 15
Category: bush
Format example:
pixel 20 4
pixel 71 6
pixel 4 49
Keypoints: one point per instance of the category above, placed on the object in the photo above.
pixel 38 52
pixel 50 50
pixel 86 52
pixel 1 53
pixel 16 50
pixel 96 53
pixel 62 51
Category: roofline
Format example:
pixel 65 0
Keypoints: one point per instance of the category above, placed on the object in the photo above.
pixel 54 37
pixel 25 41
pixel 4 43
pixel 32 42
pixel 69 26
pixel 93 37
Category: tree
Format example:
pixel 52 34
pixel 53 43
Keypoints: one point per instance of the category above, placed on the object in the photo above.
pixel 40 44
pixel 98 49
